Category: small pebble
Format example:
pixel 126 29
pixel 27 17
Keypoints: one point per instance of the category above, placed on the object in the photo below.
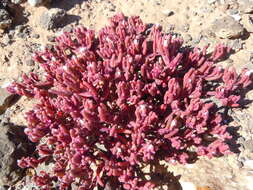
pixel 49 46
pixel 233 11
pixel 242 159
pixel 251 57
pixel 184 27
pixel 51 38
pixel 29 62
pixel 67 29
pixel 211 1
pixel 197 39
pixel 168 12
pixel 36 36
pixel 5 19
pixel 239 164
pixel 19 28
pixel 6 40
pixel 237 44
pixel 248 164
pixel 237 17
pixel 35 2
pixel 171 27
pixel 187 38
pixel 26 14
pixel 16 1
pixel 249 145
pixel 187 185
pixel 241 140
pixel 22 35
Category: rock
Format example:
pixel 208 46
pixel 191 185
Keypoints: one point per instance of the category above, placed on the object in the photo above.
pixel 6 40
pixel 19 28
pixel 239 164
pixel 51 18
pixel 246 7
pixel 251 57
pixel 233 11
pixel 5 19
pixel 17 1
pixel 23 31
pixel 197 39
pixel 26 13
pixel 51 38
pixel 211 1
pixel 206 9
pixel 67 29
pixel 168 12
pixel 248 164
pixel 22 35
pixel 3 3
pixel 237 17
pixel 29 62
pixel 171 27
pixel 6 99
pixel 35 2
pixel 236 44
pixel 247 21
pixel 184 27
pixel 187 186
pixel 249 145
pixel 227 27
pixel 36 36
pixel 13 146
pixel 187 38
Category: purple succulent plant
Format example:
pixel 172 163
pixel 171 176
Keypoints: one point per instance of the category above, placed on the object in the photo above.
pixel 123 99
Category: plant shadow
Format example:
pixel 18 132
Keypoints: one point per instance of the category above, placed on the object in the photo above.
pixel 154 172
pixel 69 19
pixel 164 179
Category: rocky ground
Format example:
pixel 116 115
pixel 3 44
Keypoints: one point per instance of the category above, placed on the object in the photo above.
pixel 26 27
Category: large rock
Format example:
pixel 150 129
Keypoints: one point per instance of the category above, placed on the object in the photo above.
pixel 52 18
pixel 5 19
pixel 227 27
pixel 13 146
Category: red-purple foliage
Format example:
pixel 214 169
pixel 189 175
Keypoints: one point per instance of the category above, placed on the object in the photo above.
pixel 125 98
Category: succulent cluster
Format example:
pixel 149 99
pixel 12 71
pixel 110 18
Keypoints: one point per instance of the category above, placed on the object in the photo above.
pixel 110 104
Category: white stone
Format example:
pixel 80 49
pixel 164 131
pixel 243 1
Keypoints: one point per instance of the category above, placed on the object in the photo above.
pixel 248 164
pixel 188 185
pixel 211 1
pixel 237 17
pixel 168 12
pixel 35 2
